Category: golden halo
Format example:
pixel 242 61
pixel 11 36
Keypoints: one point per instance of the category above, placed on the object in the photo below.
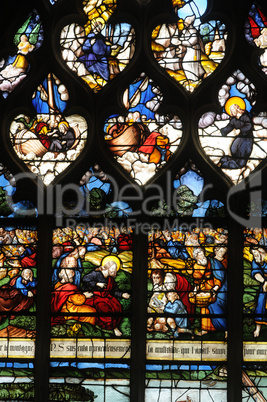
pixel 234 100
pixel 98 20
pixel 63 122
pixel 111 258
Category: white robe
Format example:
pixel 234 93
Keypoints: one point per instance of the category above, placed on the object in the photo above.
pixel 192 58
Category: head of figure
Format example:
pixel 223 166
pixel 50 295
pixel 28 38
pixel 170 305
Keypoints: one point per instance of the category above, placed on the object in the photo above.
pixel 170 281
pixel 157 277
pixel 113 269
pixel 82 251
pixel 199 255
pixel 97 25
pixel 259 254
pixel 66 275
pixel 172 296
pixel 63 126
pixel 220 252
pixel 192 239
pixel 104 235
pixel 236 111
pixel 21 249
pixel 221 238
pixel 110 266
pixel 110 269
pixel 27 274
pixel 24 38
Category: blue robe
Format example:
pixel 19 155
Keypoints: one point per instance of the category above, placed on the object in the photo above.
pixel 90 280
pixel 78 270
pixel 260 311
pixel 219 306
pixel 242 145
pixel 24 288
pixel 177 307
pixel 95 57
pixel 177 250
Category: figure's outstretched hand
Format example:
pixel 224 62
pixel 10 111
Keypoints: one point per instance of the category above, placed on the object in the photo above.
pixel 101 285
pixel 88 295
pixel 126 296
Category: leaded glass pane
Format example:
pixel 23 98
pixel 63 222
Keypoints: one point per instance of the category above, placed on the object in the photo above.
pixel 100 197
pixel 16 381
pixel 9 208
pixel 186 383
pixel 50 141
pixel 235 139
pixel 97 51
pixel 144 140
pixel 18 286
pixel 254 297
pixel 256 33
pixel 254 382
pixel 18 259
pixel 89 381
pixel 14 68
pixel 188 192
pixel 187 49
pixel 187 295
pixel 91 301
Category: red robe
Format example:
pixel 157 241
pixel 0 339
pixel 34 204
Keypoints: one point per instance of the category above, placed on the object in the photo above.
pixel 149 144
pixel 12 300
pixel 29 260
pixel 59 298
pixel 183 288
pixel 45 140
pixel 104 302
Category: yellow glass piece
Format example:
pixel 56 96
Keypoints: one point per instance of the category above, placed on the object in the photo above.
pixel 234 100
pixel 111 258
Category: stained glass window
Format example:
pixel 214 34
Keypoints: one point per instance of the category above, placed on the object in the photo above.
pixel 14 68
pixel 18 289
pixel 48 142
pixel 187 302
pixel 133 238
pixel 98 50
pixel 145 140
pixel 90 305
pixel 186 383
pixel 187 49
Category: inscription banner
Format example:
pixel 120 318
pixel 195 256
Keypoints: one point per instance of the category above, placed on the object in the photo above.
pixel 90 348
pixel 120 348
pixel 255 351
pixel 17 348
pixel 191 350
